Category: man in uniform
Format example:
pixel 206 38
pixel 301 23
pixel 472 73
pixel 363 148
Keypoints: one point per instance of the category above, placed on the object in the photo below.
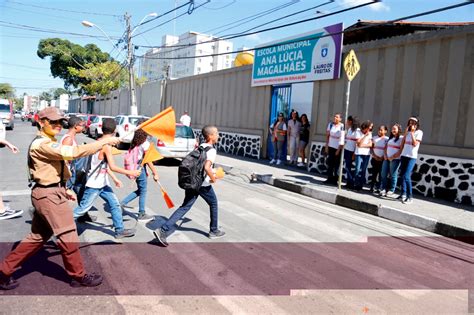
pixel 53 214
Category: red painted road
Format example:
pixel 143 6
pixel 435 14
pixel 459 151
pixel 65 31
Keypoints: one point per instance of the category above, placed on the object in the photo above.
pixel 252 268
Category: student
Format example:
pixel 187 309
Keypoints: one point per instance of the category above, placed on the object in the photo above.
pixel 334 146
pixel 294 128
pixel 377 152
pixel 304 138
pixel 411 143
pixel 52 215
pixel 362 153
pixel 278 133
pixel 140 143
pixel 185 119
pixel 5 211
pixel 98 183
pixel 76 125
pixel 352 125
pixel 391 162
pixel 206 192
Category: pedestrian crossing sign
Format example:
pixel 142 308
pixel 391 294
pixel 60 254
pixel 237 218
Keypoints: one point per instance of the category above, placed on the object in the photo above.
pixel 351 65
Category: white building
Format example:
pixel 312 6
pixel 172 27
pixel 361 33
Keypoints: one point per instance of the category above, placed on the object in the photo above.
pixel 30 103
pixel 155 69
pixel 62 102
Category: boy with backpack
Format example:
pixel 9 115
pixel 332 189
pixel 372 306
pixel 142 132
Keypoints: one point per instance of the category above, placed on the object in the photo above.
pixel 196 176
pixel 132 161
pixel 97 185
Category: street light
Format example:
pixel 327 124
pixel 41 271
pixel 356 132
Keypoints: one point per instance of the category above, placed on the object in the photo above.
pixel 153 14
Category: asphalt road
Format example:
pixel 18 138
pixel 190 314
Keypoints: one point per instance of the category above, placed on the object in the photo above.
pixel 283 253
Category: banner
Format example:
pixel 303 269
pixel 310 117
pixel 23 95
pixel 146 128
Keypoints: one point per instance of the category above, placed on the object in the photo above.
pixel 301 58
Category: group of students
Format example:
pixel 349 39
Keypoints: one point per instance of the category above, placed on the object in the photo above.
pixel 296 132
pixel 389 155
pixel 50 163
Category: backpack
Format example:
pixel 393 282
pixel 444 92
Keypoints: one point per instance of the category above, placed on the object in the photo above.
pixel 131 160
pixel 79 175
pixel 191 170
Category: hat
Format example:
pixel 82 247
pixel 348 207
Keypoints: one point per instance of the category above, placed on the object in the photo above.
pixel 51 113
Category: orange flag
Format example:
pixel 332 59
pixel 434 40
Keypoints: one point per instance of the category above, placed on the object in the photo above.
pixel 167 198
pixel 151 155
pixel 162 125
pixel 220 172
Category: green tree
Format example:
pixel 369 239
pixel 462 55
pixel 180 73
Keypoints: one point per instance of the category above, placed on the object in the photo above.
pixel 101 78
pixel 65 54
pixel 57 92
pixel 6 90
pixel 46 96
pixel 18 103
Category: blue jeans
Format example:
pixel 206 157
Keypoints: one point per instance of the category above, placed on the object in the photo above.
pixel 108 195
pixel 406 167
pixel 208 194
pixel 348 167
pixel 361 163
pixel 390 167
pixel 140 193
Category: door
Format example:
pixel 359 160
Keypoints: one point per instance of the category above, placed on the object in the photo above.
pixel 281 102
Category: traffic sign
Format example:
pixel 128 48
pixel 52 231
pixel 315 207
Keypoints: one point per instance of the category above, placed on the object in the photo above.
pixel 351 65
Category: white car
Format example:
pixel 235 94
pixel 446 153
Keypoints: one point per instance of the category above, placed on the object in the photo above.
pixel 95 129
pixel 126 125
pixel 184 143
pixel 3 131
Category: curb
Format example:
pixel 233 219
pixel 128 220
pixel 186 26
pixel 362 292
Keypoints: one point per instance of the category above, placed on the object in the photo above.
pixel 389 213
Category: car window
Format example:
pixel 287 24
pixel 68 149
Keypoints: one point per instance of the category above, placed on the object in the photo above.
pixel 117 120
pixel 96 119
pixel 82 117
pixel 134 120
pixel 91 118
pixel 184 132
pixel 4 108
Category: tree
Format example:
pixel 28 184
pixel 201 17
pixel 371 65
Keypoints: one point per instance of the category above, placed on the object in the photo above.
pixel 18 103
pixel 101 78
pixel 65 54
pixel 46 96
pixel 57 92
pixel 6 90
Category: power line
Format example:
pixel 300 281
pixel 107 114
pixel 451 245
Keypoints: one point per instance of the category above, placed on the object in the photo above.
pixel 224 6
pixel 62 10
pixel 22 66
pixel 329 34
pixel 166 13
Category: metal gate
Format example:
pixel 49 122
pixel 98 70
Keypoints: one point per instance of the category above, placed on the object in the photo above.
pixel 280 103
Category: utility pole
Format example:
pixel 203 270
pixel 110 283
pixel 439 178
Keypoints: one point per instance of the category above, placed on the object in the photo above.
pixel 133 99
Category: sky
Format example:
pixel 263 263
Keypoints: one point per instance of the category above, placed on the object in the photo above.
pixel 21 67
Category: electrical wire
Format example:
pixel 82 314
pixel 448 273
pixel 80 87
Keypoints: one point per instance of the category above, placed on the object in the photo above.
pixel 220 8
pixel 62 10
pixel 166 13
pixel 329 34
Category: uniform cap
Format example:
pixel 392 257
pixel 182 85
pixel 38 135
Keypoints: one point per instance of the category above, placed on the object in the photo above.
pixel 51 113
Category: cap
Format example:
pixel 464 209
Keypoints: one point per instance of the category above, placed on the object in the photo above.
pixel 51 113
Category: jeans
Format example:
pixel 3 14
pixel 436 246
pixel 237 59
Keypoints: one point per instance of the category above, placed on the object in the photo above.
pixel 348 167
pixel 406 167
pixel 333 162
pixel 293 149
pixel 361 163
pixel 376 172
pixel 208 194
pixel 278 150
pixel 108 195
pixel 389 167
pixel 140 192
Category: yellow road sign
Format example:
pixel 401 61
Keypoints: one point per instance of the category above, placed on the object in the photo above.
pixel 351 65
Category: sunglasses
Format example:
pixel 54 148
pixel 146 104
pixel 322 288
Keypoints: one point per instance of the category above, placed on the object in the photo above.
pixel 55 122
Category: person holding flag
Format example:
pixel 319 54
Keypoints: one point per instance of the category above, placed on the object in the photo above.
pixel 133 158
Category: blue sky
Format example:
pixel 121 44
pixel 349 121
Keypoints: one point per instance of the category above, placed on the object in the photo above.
pixel 20 66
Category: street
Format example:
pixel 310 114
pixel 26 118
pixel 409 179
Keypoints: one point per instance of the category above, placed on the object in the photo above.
pixel 282 253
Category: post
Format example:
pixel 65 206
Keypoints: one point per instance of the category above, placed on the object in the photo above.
pixel 341 162
pixel 133 100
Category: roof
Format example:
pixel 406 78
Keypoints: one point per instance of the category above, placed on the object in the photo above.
pixel 364 30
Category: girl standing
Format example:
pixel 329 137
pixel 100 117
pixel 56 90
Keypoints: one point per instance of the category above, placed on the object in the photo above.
pixel 334 146
pixel 362 153
pixel 304 138
pixel 411 144
pixel 278 131
pixel 378 151
pixel 391 162
pixel 352 124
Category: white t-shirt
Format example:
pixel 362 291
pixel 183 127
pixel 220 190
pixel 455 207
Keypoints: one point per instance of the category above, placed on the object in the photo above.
pixel 143 148
pixel 185 120
pixel 363 151
pixel 336 135
pixel 211 156
pixel 351 140
pixel 379 145
pixel 408 149
pixel 393 146
pixel 294 127
pixel 99 178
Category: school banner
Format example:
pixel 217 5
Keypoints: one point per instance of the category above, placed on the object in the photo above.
pixel 307 57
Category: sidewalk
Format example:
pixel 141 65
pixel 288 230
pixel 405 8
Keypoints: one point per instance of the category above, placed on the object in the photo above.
pixel 433 215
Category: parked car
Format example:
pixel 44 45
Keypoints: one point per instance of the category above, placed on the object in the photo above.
pixel 95 128
pixel 34 119
pixel 88 121
pixel 17 114
pixel 3 133
pixel 27 116
pixel 126 126
pixel 184 143
pixel 6 113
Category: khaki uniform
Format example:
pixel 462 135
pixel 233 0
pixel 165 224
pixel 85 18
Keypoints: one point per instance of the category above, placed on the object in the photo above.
pixel 53 215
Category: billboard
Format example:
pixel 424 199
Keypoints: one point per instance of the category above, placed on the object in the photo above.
pixel 301 58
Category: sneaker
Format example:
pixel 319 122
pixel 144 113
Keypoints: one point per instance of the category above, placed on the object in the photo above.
pixel 7 282
pixel 376 192
pixel 278 162
pixel 272 161
pixel 407 201
pixel 145 217
pixel 401 197
pixel 86 218
pixel 383 193
pixel 10 213
pixel 390 194
pixel 125 233
pixel 300 164
pixel 89 280
pixel 160 235
pixel 216 234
